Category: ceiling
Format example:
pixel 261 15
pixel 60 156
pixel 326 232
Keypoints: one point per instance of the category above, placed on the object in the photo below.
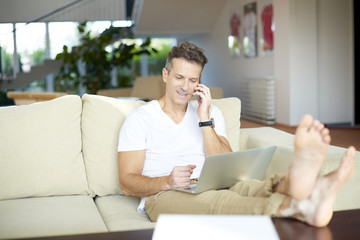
pixel 61 10
pixel 178 16
pixel 150 16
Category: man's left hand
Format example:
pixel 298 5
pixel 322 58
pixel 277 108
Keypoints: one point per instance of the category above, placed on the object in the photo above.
pixel 204 102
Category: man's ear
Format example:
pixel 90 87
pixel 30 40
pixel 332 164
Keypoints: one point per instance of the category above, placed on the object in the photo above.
pixel 165 75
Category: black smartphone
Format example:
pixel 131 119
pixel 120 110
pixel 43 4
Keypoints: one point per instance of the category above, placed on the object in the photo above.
pixel 198 96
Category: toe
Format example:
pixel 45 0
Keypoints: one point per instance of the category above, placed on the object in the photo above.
pixel 327 139
pixel 351 151
pixel 316 126
pixel 321 127
pixel 325 133
pixel 346 167
pixel 306 121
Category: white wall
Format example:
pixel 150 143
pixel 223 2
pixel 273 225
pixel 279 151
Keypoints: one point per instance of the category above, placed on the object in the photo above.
pixel 282 59
pixel 300 56
pixel 312 61
pixel 224 70
pixel 336 61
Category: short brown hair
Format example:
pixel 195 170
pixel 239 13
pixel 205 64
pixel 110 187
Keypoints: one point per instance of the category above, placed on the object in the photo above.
pixel 189 52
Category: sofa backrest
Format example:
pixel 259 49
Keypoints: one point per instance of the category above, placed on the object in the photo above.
pixel 102 118
pixel 231 110
pixel 40 149
pixel 68 146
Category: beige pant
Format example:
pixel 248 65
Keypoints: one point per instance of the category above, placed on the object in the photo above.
pixel 251 197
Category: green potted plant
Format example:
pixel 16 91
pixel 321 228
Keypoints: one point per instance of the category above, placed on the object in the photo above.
pixel 90 64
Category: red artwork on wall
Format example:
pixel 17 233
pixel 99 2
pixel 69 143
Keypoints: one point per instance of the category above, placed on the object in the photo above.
pixel 267 23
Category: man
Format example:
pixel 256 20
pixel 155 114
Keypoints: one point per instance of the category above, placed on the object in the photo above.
pixel 162 146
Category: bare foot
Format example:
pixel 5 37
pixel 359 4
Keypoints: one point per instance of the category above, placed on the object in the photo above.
pixel 317 210
pixel 326 189
pixel 311 145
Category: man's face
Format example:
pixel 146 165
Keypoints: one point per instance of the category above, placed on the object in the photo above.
pixel 180 82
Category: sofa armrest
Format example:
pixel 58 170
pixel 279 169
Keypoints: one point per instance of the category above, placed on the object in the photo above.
pixel 349 195
pixel 117 92
pixel 268 136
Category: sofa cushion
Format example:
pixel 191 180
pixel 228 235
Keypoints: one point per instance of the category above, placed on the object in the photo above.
pixel 40 150
pixel 231 110
pixel 120 213
pixel 49 216
pixel 102 119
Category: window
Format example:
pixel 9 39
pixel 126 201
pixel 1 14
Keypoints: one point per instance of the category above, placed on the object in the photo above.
pixel 31 44
pixel 7 49
pixel 62 33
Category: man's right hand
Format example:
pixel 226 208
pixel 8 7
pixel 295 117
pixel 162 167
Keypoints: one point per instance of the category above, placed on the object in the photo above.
pixel 131 164
pixel 180 176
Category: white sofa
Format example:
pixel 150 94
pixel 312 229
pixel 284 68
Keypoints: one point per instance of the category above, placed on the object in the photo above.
pixel 59 172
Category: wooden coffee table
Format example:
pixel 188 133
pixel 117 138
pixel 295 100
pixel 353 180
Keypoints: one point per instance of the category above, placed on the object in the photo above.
pixel 344 225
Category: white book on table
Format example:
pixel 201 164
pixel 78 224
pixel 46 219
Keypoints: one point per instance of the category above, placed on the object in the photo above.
pixel 229 227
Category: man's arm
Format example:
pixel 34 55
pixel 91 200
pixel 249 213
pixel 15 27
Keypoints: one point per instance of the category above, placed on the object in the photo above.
pixel 213 143
pixel 133 183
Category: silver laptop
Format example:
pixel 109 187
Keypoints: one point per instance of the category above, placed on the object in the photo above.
pixel 224 170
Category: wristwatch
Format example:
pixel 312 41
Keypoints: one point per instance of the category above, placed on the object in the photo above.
pixel 210 123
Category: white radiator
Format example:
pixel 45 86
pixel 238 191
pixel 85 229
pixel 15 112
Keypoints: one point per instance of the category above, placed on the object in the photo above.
pixel 258 100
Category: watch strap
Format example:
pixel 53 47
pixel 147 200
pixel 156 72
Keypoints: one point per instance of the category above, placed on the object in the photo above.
pixel 209 123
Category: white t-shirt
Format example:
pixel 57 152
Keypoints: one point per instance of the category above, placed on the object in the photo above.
pixel 167 144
